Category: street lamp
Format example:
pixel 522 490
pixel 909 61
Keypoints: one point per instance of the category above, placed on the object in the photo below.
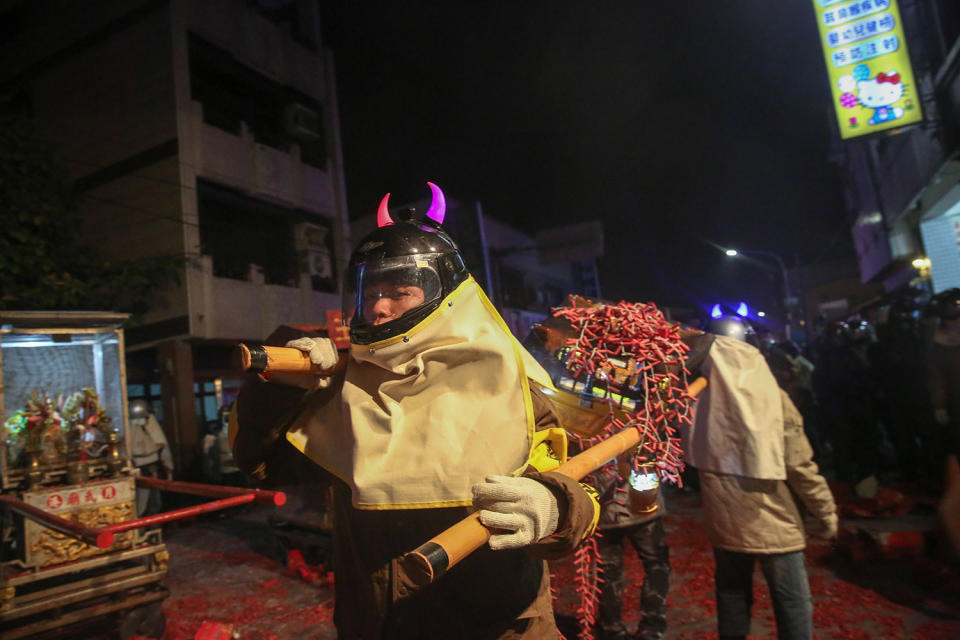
pixel 787 301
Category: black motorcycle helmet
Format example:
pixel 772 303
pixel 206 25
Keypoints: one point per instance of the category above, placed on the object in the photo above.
pixel 400 253
pixel 733 327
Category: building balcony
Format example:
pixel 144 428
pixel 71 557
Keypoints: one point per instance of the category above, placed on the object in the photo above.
pixel 241 162
pixel 224 308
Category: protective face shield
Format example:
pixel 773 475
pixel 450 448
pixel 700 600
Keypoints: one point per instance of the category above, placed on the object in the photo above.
pixel 138 410
pixel 399 273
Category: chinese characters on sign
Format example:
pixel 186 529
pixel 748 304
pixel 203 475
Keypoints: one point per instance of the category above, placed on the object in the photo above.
pixel 95 503
pixel 868 65
pixel 75 498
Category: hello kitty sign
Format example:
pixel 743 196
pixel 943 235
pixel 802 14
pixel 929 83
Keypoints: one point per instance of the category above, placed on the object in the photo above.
pixel 868 64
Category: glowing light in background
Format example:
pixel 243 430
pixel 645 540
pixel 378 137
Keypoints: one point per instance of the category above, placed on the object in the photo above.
pixel 742 310
pixel 716 312
pixel 761 314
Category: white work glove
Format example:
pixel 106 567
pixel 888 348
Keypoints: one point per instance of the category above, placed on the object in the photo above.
pixel 322 353
pixel 525 509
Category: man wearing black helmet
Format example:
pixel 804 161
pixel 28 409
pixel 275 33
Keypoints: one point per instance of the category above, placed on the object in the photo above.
pixel 757 481
pixel 431 414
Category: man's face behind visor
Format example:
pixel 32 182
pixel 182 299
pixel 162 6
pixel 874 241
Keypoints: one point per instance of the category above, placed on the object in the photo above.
pixel 385 290
pixel 385 301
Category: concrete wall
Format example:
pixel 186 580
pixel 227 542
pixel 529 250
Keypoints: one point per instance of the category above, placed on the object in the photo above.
pixel 258 43
pixel 260 170
pixel 250 309
pixel 111 100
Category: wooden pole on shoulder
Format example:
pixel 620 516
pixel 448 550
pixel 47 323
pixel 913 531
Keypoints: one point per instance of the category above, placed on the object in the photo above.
pixel 435 557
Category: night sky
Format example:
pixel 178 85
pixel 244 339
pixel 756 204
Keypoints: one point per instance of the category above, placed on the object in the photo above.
pixel 678 124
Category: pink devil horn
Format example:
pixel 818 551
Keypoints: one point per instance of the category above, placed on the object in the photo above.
pixel 383 213
pixel 438 205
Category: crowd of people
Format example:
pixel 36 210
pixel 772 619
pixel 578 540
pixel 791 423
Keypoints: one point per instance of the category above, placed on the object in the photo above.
pixel 880 392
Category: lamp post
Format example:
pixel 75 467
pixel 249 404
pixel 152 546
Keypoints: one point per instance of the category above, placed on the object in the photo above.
pixel 787 301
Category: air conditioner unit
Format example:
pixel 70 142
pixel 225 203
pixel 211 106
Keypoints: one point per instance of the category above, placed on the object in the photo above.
pixel 312 242
pixel 317 264
pixel 302 122
pixel 311 237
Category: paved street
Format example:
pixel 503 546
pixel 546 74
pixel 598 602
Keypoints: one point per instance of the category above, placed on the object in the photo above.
pixel 227 570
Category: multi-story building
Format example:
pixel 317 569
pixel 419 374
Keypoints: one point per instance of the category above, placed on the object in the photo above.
pixel 207 130
pixel 903 189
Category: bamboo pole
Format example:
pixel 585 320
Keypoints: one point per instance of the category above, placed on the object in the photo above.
pixel 435 557
pixel 268 360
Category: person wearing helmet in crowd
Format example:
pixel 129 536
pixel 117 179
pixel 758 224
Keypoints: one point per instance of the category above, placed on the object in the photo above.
pixel 944 378
pixel 757 478
pixel 430 414
pixel 151 454
pixel 898 360
pixel 845 387
pixel 944 361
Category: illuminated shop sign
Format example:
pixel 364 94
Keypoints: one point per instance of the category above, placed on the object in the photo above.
pixel 870 75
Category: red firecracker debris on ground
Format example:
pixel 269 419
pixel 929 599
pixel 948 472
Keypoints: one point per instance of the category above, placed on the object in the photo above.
pixel 227 571
pixel 214 631
pixel 870 598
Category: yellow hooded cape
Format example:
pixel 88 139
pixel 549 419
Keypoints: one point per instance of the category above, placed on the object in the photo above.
pixel 424 415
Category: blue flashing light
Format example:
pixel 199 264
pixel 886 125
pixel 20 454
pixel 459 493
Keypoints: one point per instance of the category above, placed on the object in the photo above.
pixel 716 312
pixel 742 310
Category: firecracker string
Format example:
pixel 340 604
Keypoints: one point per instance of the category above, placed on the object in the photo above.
pixel 639 334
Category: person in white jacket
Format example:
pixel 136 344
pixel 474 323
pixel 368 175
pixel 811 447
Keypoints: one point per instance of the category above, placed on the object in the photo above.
pixel 151 454
pixel 757 480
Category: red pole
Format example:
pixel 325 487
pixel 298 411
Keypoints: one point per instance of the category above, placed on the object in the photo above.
pixel 98 537
pixel 102 537
pixel 276 498
pixel 179 514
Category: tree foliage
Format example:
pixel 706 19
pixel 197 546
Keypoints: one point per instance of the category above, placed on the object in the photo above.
pixel 43 263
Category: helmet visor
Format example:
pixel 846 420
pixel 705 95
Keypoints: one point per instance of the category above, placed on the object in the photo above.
pixel 376 293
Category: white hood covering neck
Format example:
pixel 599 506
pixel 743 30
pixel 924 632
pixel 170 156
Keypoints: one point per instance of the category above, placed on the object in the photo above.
pixel 423 416
pixel 738 423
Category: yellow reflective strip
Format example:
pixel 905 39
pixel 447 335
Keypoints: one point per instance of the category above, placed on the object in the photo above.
pixel 436 504
pixel 527 408
pixel 595 499
pixel 550 449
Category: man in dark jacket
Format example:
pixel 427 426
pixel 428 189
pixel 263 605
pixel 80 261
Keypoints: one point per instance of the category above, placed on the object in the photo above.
pixel 622 517
pixel 432 413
